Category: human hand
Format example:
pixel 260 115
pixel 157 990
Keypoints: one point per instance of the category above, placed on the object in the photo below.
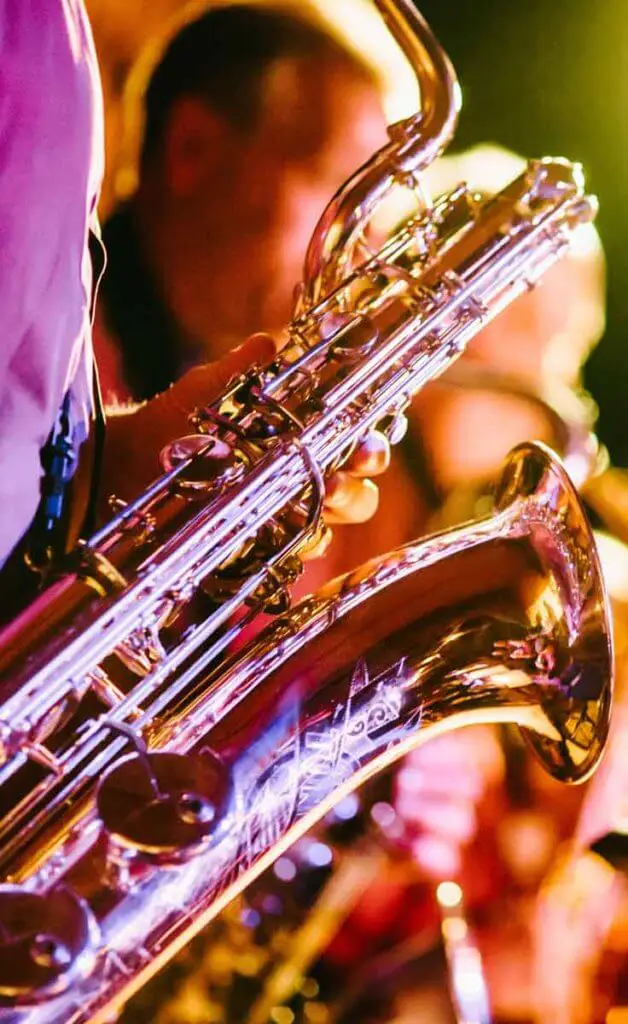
pixel 573 918
pixel 584 898
pixel 438 791
pixel 135 438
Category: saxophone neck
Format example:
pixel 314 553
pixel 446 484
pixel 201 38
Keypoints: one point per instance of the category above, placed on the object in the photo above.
pixel 430 130
pixel 414 143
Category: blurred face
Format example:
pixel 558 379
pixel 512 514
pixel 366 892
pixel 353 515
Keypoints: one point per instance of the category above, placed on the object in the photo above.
pixel 308 148
pixel 243 207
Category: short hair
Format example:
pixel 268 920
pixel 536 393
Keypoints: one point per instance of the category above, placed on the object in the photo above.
pixel 224 56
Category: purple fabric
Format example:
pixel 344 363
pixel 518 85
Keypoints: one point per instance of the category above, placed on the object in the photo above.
pixel 51 163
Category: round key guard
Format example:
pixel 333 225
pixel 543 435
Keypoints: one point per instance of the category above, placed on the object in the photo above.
pixel 165 806
pixel 47 942
pixel 213 462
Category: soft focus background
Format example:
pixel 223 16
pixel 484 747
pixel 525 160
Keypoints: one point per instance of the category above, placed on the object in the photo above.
pixel 540 77
pixel 550 77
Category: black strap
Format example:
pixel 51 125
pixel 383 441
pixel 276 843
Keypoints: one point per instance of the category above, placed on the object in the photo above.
pixel 99 427
pixel 58 461
pixel 49 536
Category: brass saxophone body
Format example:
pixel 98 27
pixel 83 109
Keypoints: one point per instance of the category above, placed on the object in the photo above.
pixel 147 772
pixel 503 620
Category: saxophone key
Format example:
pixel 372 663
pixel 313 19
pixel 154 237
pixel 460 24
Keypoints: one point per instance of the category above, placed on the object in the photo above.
pixel 47 943
pixel 165 817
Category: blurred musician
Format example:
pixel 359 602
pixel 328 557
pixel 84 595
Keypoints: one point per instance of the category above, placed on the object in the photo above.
pixel 51 133
pixel 53 462
pixel 253 118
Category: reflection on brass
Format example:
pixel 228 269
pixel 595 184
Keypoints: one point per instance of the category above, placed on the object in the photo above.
pixel 505 620
pixel 502 620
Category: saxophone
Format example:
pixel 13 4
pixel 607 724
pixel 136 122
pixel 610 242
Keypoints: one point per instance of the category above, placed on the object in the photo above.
pixel 267 952
pixel 149 772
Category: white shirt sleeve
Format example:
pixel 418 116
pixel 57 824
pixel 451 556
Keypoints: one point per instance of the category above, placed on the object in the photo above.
pixel 51 160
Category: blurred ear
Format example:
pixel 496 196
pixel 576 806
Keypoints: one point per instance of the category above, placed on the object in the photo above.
pixel 195 142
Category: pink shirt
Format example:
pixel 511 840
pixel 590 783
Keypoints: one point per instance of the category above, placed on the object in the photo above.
pixel 51 164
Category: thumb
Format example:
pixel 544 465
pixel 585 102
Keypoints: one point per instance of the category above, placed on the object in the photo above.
pixel 203 384
pixel 136 440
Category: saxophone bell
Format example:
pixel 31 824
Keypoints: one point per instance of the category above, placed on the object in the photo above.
pixel 502 620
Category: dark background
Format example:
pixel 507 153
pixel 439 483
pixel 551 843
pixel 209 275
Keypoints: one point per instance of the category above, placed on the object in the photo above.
pixel 550 77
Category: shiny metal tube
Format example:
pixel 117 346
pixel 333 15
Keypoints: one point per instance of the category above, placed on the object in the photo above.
pixel 142 786
pixel 123 586
pixel 469 991
pixel 502 620
pixel 571 418
pixel 415 143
